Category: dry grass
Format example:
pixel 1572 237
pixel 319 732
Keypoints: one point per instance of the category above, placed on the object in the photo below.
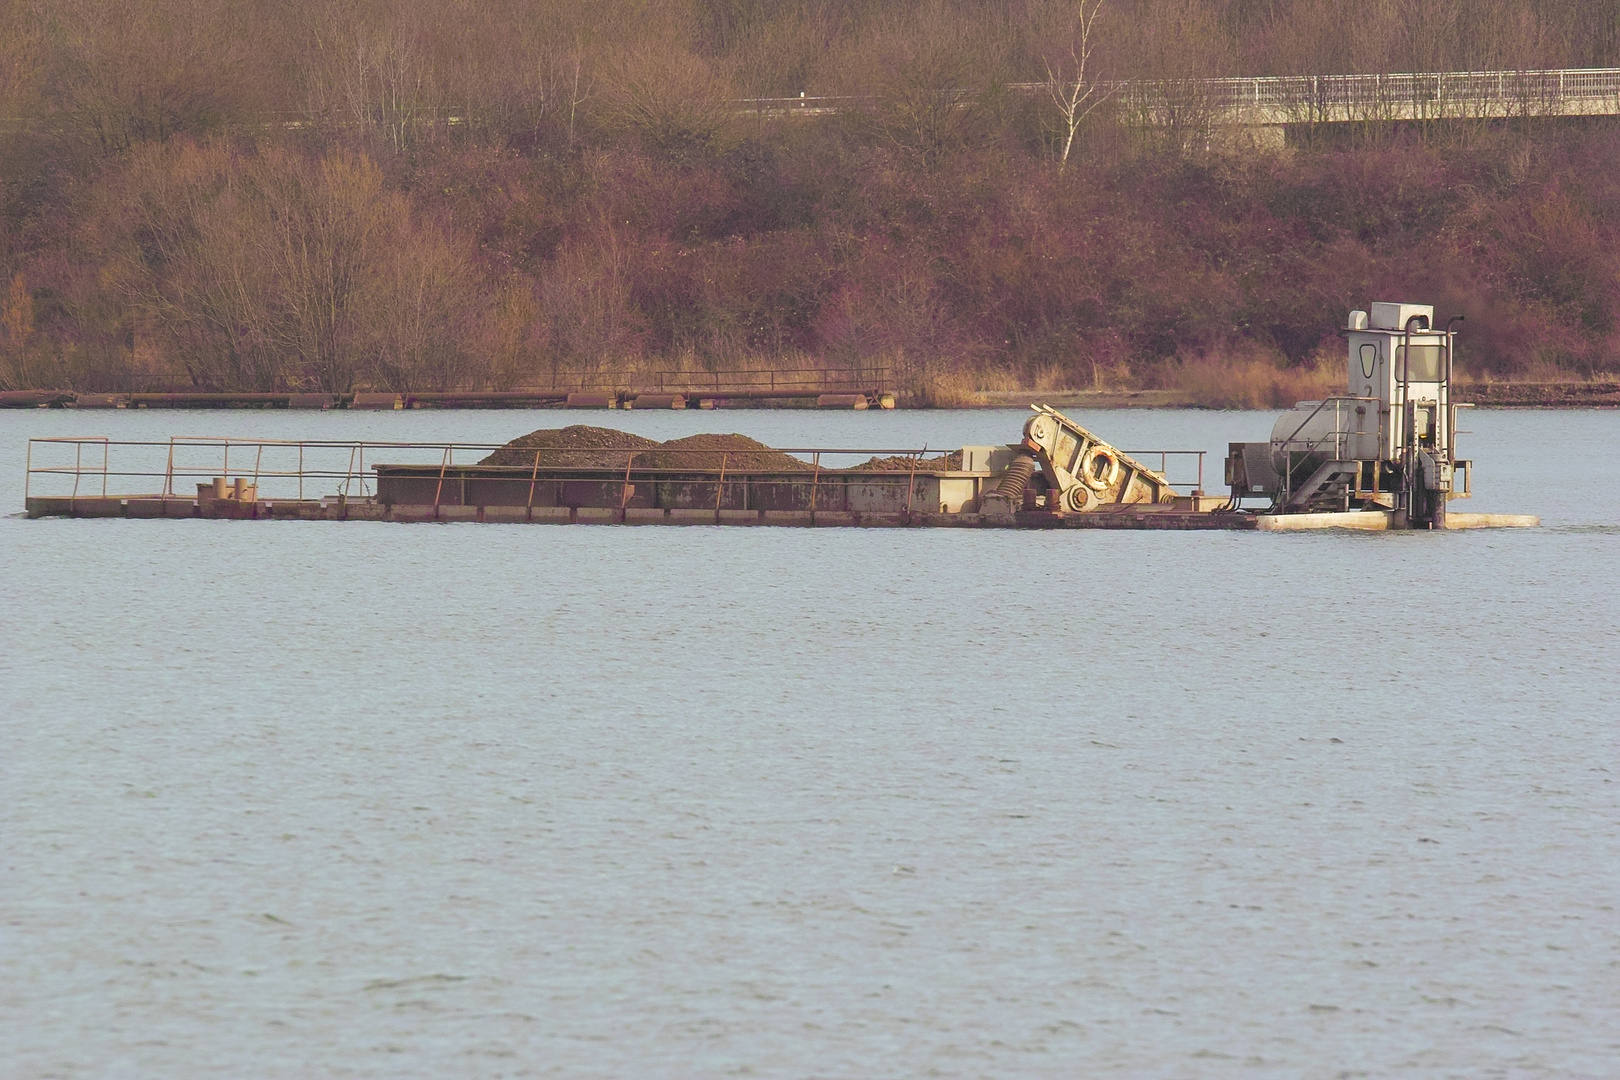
pixel 684 370
pixel 1049 378
pixel 945 390
pixel 1538 372
pixel 997 380
pixel 1223 382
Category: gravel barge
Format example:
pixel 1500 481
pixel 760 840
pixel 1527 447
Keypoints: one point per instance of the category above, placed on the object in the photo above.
pixel 1382 456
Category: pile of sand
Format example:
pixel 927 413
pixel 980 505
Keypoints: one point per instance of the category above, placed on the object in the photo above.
pixel 585 447
pixel 739 453
pixel 951 462
pixel 578 447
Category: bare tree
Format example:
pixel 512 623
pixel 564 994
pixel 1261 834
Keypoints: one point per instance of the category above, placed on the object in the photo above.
pixel 562 84
pixel 18 314
pixel 372 81
pixel 1072 81
pixel 674 100
pixel 17 318
pixel 579 89
pixel 1179 47
pixel 412 314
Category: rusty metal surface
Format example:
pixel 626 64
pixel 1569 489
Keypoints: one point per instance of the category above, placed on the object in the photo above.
pixel 34 399
pixel 1083 472
pixel 340 509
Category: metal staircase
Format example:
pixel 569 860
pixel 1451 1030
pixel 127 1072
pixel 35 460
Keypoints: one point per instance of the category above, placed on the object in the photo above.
pixel 1328 488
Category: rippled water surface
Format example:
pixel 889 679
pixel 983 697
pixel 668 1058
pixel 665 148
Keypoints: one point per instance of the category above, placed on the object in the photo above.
pixel 294 799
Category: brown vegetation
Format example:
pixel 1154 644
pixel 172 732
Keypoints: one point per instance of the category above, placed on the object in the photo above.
pixel 484 193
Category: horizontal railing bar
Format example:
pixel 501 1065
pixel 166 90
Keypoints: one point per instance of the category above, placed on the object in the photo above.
pixel 331 474
pixel 219 441
pixel 209 442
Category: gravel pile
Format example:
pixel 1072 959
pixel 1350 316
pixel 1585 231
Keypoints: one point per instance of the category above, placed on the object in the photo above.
pixel 586 447
pixel 739 453
pixel 578 447
pixel 951 462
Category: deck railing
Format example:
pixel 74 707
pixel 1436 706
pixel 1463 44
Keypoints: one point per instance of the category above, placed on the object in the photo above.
pixel 303 469
pixel 1188 466
pixel 100 467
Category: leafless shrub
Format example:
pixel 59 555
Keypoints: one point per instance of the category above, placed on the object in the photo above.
pixel 1178 47
pixel 674 101
pixel 274 270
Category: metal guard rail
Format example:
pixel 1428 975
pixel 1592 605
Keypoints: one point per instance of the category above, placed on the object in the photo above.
pixel 1337 437
pixel 1460 88
pixel 352 478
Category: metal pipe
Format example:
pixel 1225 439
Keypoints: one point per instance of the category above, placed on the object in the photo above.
pixel 1408 451
pixel 438 491
pixel 1450 412
pixel 911 484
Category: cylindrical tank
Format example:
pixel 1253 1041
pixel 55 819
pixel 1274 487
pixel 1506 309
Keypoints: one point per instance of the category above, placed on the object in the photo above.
pixel 1302 439
pixel 1314 432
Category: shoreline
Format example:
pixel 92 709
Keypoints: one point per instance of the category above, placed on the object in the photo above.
pixel 1587 395
pixel 1593 395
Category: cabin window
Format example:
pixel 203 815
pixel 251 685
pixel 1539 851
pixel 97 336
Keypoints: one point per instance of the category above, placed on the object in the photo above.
pixel 1369 360
pixel 1426 363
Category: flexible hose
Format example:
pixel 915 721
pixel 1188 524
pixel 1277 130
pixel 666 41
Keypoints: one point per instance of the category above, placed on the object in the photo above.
pixel 1015 479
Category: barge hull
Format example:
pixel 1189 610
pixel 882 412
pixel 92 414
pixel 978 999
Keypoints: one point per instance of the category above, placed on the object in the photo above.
pixel 342 509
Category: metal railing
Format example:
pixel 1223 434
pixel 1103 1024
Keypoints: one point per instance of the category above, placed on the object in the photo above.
pixel 1196 483
pixel 1338 438
pixel 1395 95
pixel 289 469
pixel 1445 93
pixel 304 469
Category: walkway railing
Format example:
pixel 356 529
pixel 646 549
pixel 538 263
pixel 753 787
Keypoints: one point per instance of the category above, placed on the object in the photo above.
pixel 1327 98
pixel 1189 466
pixel 98 467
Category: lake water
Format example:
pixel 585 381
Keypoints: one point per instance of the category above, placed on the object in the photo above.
pixel 372 800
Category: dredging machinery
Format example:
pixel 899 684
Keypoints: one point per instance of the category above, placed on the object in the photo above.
pixel 1388 444
pixel 1380 456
